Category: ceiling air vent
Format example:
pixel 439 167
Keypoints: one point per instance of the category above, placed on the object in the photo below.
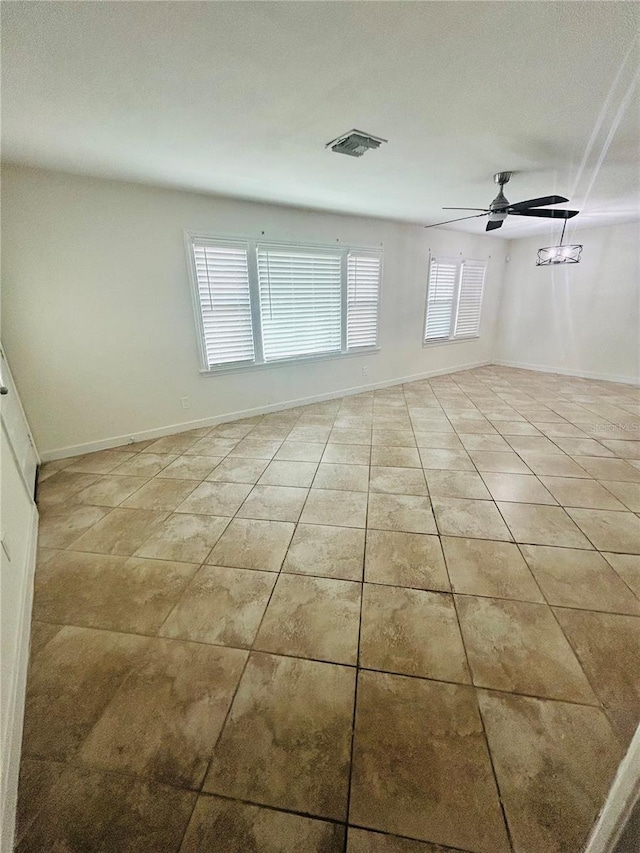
pixel 354 143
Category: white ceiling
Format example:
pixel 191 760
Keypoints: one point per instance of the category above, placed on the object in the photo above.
pixel 239 98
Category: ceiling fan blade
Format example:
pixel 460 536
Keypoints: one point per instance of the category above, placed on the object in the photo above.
pixel 435 224
pixel 546 214
pixel 492 225
pixel 485 209
pixel 539 202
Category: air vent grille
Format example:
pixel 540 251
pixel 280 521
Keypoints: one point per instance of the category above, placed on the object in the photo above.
pixel 354 143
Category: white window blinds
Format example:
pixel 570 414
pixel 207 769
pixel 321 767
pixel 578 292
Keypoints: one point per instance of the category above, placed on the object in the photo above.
pixel 363 291
pixel 470 300
pixel 300 301
pixel 222 278
pixel 441 294
pixel 454 299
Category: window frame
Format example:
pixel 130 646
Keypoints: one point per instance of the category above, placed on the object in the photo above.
pixel 452 338
pixel 251 244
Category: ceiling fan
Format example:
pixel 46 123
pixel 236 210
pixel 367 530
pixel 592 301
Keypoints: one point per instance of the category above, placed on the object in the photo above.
pixel 500 207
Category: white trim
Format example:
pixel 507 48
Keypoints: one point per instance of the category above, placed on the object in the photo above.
pixel 242 366
pixel 159 432
pixel 11 757
pixel 623 795
pixel 563 371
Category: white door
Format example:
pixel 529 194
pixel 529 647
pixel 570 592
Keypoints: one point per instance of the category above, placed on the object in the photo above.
pixel 18 531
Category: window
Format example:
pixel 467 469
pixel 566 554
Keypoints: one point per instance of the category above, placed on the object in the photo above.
pixel 268 303
pixel 454 299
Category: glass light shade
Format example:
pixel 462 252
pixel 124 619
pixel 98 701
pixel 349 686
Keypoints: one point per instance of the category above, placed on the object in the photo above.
pixel 559 255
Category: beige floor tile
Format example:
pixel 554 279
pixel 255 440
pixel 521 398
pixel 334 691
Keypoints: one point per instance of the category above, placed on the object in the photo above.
pixel 518 647
pixel 609 531
pixel 115 593
pixel 353 478
pixel 274 503
pixel 628 567
pixel 336 552
pixel 301 451
pixel 190 467
pixel 438 440
pixel 70 683
pixel 161 494
pixel 397 481
pixel 145 464
pixel 474 442
pixel 609 469
pixel 456 484
pixel 309 433
pixel 350 436
pixel 542 525
pixel 235 429
pixel 238 470
pixel 241 827
pixel 445 459
pixel 253 544
pixel 519 488
pixel 59 489
pixel 554 764
pixel 411 632
pixel 208 498
pixel 280 473
pixel 335 507
pixel 364 841
pixel 469 518
pixel 41 633
pixel 286 742
pixel 64 524
pixel 516 428
pixel 395 457
pixel 48 469
pixel 582 447
pixel 627 493
pixel 312 617
pixel 404 725
pixel 623 449
pixel 405 559
pixel 498 462
pixel 494 569
pixel 184 537
pixel 255 448
pixel 583 579
pixel 101 462
pixel 393 437
pixel 608 647
pixel 407 513
pixel 470 426
pixel 554 465
pixel 221 606
pixel 580 493
pixel 533 444
pixel 347 454
pixel 164 720
pixel 122 532
pixel 103 812
pixel 36 779
pixel 109 491
pixel 178 443
pixel 212 445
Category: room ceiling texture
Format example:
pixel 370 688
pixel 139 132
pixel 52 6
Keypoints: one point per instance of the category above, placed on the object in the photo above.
pixel 239 98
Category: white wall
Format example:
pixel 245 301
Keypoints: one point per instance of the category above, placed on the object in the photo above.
pixel 97 318
pixel 582 319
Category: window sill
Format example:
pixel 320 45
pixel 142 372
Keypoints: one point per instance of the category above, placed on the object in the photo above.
pixel 427 344
pixel 286 362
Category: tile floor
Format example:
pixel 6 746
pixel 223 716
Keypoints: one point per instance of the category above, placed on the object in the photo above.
pixel 402 622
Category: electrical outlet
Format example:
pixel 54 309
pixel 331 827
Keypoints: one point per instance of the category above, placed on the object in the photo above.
pixel 185 402
pixel 365 370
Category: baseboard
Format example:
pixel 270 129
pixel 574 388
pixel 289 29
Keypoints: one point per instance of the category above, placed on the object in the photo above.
pixel 12 748
pixel 561 371
pixel 159 432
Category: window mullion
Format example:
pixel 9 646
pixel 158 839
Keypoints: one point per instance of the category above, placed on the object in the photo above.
pixel 254 292
pixel 456 301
